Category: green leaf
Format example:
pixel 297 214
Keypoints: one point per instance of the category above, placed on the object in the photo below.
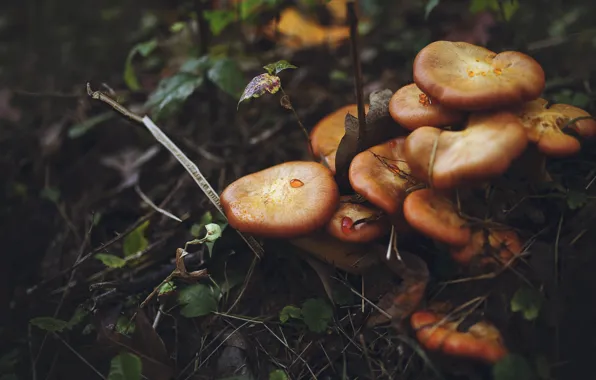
pixel 49 324
pixel 110 261
pixel 226 75
pixel 196 229
pixel 513 367
pixel 199 300
pixel 528 301
pixel 317 314
pixel 277 67
pixel 136 241
pixel 278 374
pixel 509 7
pixel 52 194
pixel 80 129
pixel 125 366
pixel 213 232
pixel 259 85
pixel 125 326
pixel 576 199
pixel 78 316
pixel 166 288
pixel 432 4
pixel 177 27
pixel 144 49
pixel 218 20
pixel 288 312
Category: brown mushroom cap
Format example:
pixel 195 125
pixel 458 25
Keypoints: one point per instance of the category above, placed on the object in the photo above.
pixel 328 132
pixel 484 150
pixel 381 175
pixel 544 127
pixel 287 200
pixel 412 109
pixel 469 77
pixel 357 222
pixel 503 245
pixel 435 216
pixel 482 341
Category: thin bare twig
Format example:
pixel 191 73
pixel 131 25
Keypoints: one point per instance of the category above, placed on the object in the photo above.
pixel 358 81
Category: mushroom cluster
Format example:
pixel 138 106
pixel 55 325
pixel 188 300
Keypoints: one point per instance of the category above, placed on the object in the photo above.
pixel 470 116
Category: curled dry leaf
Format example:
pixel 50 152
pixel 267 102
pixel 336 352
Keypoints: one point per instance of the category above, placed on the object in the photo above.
pixel 412 109
pixel 447 160
pixel 469 77
pixel 544 126
pixel 482 341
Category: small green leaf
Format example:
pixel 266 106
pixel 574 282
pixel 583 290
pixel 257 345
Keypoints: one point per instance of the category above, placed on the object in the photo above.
pixel 279 66
pixel 528 301
pixel 259 85
pixel 509 7
pixel 96 218
pixel 226 75
pixel 136 241
pixel 79 315
pixel 430 5
pixel 513 367
pixel 576 199
pixel 50 193
pixel 199 300
pixel 166 288
pixel 177 27
pixel 125 326
pixel 317 314
pixel 49 324
pixel 219 20
pixel 213 232
pixel 288 312
pixel 144 49
pixel 125 366
pixel 80 129
pixel 111 261
pixel 278 374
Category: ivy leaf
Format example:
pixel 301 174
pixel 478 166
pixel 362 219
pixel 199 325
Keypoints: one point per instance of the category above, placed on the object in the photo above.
pixel 288 312
pixel 513 367
pixel 49 324
pixel 110 261
pixel 317 314
pixel 226 75
pixel 199 300
pixel 432 4
pixel 576 199
pixel 136 241
pixel 144 49
pixel 278 374
pixel 125 366
pixel 218 20
pixel 259 85
pixel 528 301
pixel 279 66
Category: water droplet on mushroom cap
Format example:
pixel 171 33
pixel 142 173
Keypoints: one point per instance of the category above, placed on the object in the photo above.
pixel 295 183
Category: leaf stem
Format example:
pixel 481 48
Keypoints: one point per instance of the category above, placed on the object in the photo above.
pixel 288 104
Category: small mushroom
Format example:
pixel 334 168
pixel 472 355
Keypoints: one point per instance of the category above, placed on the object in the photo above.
pixel 544 125
pixel 482 341
pixel 411 108
pixel 435 216
pixel 284 201
pixel 488 247
pixel 382 176
pixel 328 132
pixel 484 150
pixel 468 77
pixel 357 222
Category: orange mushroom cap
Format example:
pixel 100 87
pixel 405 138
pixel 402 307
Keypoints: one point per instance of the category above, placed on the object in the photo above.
pixel 435 216
pixel 544 127
pixel 328 132
pixel 503 245
pixel 381 175
pixel 484 150
pixel 286 200
pixel 412 109
pixel 357 222
pixel 482 341
pixel 469 77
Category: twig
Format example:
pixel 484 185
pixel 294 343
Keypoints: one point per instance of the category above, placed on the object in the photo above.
pixel 79 356
pixel 146 199
pixel 358 82
pixel 286 103
pixel 190 166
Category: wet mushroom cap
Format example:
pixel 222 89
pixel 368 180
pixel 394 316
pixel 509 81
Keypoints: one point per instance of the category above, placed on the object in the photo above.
pixel 328 132
pixel 544 126
pixel 484 150
pixel 482 341
pixel 284 201
pixel 464 76
pixel 381 175
pixel 411 108
pixel 357 222
pixel 503 245
pixel 435 216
